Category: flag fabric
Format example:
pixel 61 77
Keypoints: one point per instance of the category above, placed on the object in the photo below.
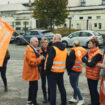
pixel 6 32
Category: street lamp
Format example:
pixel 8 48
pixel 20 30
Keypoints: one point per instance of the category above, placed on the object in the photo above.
pixel 69 23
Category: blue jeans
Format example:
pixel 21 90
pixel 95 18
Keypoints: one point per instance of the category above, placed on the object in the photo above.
pixel 74 78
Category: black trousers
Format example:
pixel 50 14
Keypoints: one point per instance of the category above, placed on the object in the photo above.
pixel 92 84
pixel 3 75
pixel 33 88
pixel 54 79
pixel 43 80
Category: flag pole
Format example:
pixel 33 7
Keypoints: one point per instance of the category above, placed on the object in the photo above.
pixel 22 37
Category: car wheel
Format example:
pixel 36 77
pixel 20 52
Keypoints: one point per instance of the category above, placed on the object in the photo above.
pixel 18 41
pixel 65 43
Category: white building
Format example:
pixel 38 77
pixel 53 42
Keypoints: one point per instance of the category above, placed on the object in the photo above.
pixel 18 15
pixel 87 14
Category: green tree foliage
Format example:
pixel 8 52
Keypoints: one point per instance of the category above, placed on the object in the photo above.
pixel 50 12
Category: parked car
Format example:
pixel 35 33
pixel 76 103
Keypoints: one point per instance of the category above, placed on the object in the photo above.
pixel 83 37
pixel 13 38
pixel 34 33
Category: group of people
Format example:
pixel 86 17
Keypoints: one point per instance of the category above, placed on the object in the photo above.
pixel 50 63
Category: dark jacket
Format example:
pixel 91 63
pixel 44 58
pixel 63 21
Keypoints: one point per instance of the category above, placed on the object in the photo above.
pixel 7 57
pixel 70 61
pixel 43 61
pixel 51 55
pixel 94 61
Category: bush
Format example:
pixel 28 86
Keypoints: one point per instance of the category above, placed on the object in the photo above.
pixel 64 31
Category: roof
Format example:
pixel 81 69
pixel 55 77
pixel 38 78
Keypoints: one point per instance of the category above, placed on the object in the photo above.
pixel 13 7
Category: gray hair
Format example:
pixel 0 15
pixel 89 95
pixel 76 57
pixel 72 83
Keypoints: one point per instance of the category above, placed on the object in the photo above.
pixel 32 39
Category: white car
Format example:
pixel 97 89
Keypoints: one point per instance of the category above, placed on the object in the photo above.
pixel 83 37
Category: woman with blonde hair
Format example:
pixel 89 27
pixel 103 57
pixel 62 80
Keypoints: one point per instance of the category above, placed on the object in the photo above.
pixel 43 51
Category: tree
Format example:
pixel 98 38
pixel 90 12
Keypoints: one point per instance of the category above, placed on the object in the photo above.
pixel 50 12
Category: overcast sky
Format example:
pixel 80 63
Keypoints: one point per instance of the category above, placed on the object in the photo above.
pixel 13 1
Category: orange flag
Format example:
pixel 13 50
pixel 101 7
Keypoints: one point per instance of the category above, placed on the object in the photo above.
pixel 6 32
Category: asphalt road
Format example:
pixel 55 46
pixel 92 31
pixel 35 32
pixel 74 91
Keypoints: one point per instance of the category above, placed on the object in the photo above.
pixel 18 89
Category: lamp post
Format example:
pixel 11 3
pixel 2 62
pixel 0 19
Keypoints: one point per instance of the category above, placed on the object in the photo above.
pixel 69 23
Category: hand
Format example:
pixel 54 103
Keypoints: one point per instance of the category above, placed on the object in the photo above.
pixel 100 65
pixel 41 57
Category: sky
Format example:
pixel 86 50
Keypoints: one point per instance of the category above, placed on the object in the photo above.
pixel 13 1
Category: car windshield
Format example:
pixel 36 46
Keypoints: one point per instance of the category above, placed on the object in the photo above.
pixel 97 34
pixel 47 32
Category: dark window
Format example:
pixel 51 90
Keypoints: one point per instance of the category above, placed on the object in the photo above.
pixel 95 24
pixel 65 25
pixel 80 17
pixel 18 28
pixel 34 33
pixel 100 25
pixel 89 17
pixel 83 2
pixel 98 17
pixel 85 34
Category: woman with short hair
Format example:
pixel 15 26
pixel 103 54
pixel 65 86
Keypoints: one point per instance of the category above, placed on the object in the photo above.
pixel 91 59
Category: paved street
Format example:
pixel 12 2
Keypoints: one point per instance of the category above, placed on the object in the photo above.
pixel 18 89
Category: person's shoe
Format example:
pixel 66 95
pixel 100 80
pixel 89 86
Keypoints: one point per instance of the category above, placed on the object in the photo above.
pixel 80 102
pixel 72 100
pixel 29 103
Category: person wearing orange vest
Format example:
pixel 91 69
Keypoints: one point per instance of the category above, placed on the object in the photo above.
pixel 74 68
pixel 91 59
pixel 30 69
pixel 102 77
pixel 43 51
pixel 55 67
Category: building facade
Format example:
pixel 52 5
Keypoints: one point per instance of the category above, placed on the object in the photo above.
pixel 87 15
pixel 18 15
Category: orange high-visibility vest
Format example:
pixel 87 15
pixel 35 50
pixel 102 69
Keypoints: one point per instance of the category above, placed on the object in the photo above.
pixel 79 53
pixel 102 91
pixel 93 72
pixel 59 62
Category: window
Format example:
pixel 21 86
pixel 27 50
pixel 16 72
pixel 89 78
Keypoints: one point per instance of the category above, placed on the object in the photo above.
pixel 26 23
pixel 103 2
pixel 89 17
pixel 85 34
pixel 95 24
pixel 98 17
pixel 34 33
pixel 65 25
pixel 83 2
pixel 18 28
pixel 18 23
pixel 100 25
pixel 76 34
pixel 97 34
pixel 80 17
